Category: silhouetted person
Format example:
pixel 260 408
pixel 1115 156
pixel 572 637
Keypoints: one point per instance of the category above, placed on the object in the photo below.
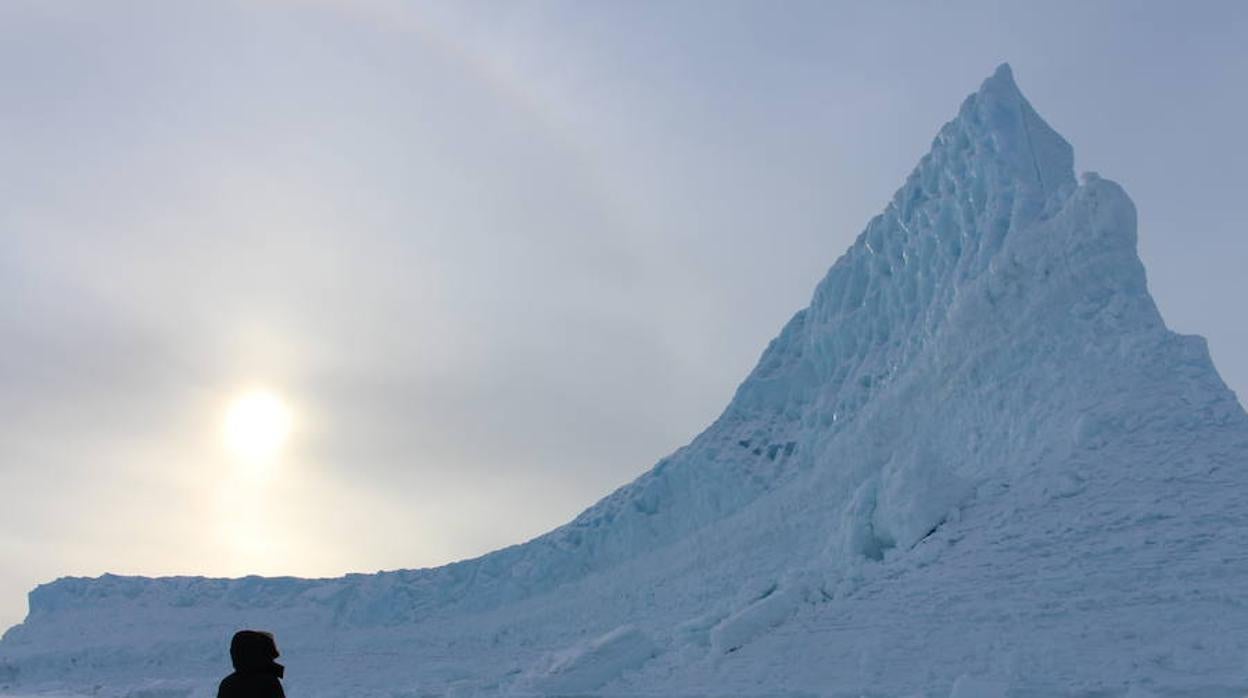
pixel 255 675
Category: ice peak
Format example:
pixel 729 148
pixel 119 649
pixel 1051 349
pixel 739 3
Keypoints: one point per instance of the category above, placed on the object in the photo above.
pixel 1001 79
pixel 1035 154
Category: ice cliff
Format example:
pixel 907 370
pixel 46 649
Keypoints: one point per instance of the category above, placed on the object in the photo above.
pixel 977 464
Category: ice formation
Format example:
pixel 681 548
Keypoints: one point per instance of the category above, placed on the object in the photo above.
pixel 978 464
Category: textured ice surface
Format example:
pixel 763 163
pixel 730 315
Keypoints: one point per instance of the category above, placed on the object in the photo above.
pixel 978 464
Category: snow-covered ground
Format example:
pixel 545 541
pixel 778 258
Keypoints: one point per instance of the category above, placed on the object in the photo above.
pixel 977 465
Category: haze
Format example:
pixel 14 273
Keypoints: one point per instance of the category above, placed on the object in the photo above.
pixel 498 259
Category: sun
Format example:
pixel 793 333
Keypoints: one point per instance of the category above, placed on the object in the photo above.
pixel 257 424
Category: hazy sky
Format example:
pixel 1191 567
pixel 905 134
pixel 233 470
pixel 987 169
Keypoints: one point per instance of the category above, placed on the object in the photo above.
pixel 497 257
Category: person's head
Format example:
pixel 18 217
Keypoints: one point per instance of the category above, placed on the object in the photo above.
pixel 255 650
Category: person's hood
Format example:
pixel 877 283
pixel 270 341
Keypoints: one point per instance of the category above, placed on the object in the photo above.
pixel 253 651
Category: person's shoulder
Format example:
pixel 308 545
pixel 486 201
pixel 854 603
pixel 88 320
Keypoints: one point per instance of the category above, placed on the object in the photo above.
pixel 249 684
pixel 227 684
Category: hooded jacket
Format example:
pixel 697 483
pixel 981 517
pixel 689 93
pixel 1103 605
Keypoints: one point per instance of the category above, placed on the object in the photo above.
pixel 255 675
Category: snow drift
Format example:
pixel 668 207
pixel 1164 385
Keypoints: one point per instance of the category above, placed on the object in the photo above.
pixel 977 464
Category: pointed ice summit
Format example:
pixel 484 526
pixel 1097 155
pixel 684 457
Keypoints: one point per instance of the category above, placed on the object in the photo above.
pixel 977 464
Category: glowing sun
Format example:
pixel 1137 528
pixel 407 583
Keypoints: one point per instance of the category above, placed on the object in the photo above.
pixel 257 424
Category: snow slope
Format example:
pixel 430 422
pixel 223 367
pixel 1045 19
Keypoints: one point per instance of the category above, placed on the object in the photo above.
pixel 978 464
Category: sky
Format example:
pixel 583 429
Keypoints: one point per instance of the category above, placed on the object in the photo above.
pixel 496 258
